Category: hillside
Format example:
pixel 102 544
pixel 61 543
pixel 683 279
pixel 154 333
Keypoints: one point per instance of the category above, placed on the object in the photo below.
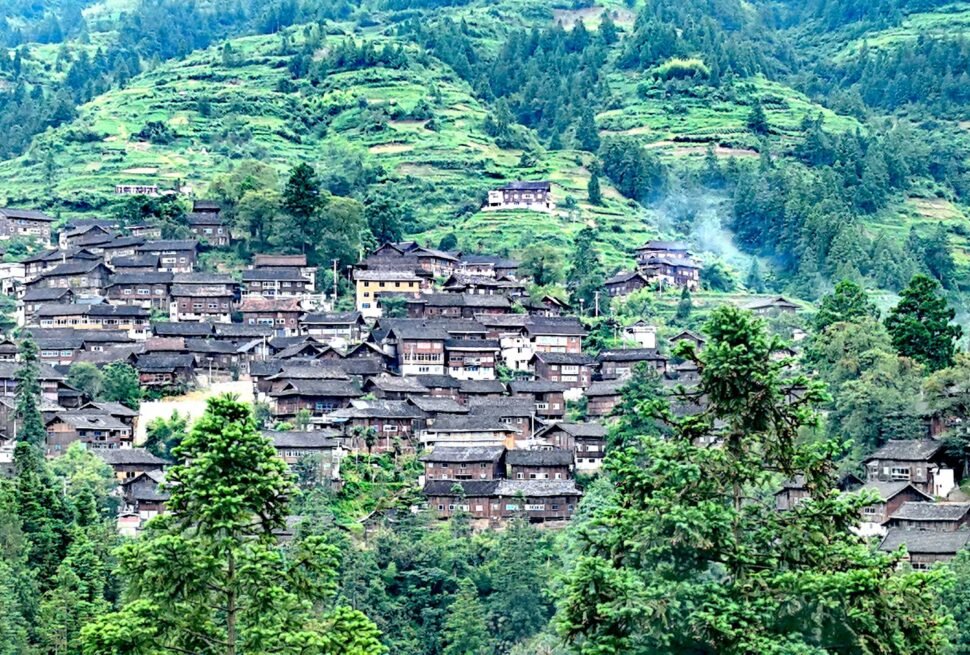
pixel 420 123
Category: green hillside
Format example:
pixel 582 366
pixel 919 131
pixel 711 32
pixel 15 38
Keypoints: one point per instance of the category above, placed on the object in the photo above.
pixel 420 121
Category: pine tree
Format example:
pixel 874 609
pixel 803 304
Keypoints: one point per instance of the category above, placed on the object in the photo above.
pixel 212 576
pixel 465 630
pixel 593 190
pixel 757 119
pixel 920 325
pixel 586 133
pixel 31 423
pixel 684 306
pixel 849 302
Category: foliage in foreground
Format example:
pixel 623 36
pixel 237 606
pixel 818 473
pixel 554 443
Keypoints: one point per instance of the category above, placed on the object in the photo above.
pixel 691 555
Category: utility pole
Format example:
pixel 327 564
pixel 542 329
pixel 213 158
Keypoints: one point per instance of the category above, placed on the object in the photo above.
pixel 335 284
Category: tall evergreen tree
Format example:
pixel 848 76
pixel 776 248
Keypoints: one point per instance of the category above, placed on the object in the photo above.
pixel 465 629
pixel 30 428
pixel 849 302
pixel 586 274
pixel 212 577
pixel 586 133
pixel 920 325
pixel 684 306
pixel 593 191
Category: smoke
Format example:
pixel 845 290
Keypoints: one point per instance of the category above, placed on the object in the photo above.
pixel 701 217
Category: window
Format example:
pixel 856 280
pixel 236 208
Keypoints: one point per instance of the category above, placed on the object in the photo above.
pixel 483 465
pixel 871 510
pixel 511 507
pixel 900 473
pixel 536 507
pixel 390 428
pixel 127 292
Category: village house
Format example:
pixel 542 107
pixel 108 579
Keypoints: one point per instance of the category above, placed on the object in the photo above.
pixel 143 494
pixel 209 227
pixel 941 517
pixel 891 496
pixel 471 463
pixel 136 263
pixel 656 248
pixel 771 306
pixel 472 391
pixel 620 363
pixel 485 286
pixel 471 359
pixel 467 431
pixel 49 378
pixel 626 282
pixel 922 462
pixel 688 335
pixel 602 396
pixel 456 305
pixel 148 290
pixel 281 313
pixel 160 370
pixel 46 260
pixel 320 449
pixel 129 463
pixel 673 272
pixel 515 412
pixel 145 231
pixel 90 276
pixel 85 235
pixel 261 261
pixel 573 369
pixel 533 196
pixel 93 430
pixel 510 330
pixel 175 255
pixel 641 333
pixel 416 347
pixel 36 298
pixel 394 387
pixel 539 464
pixel 371 284
pixel 25 223
pixel 276 282
pixel 549 335
pixel 549 397
pixel 133 320
pixel 587 442
pixel 379 426
pixel 200 303
pixel 316 396
pixel 486 265
pixel 118 248
pixel 925 548
pixel 498 501
pixel 545 307
pixel 336 329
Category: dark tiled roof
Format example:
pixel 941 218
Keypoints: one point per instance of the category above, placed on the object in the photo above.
pixel 391 409
pixel 468 454
pixel 888 490
pixel 454 423
pixel 132 456
pixel 288 273
pixel 925 542
pixel 40 294
pixel 328 388
pixel 72 268
pixel 537 488
pixel 256 304
pixel 539 458
pixel 592 430
pixel 569 359
pixel 297 439
pixel 135 261
pixel 916 450
pixel 917 511
pixel 563 326
pixel 625 276
pixel 397 384
pixel 605 388
pixel 163 363
pixel 656 244
pixel 146 277
pixel 202 277
pixel 519 185
pixel 438 405
pixel 481 386
pixel 26 214
pixel 439 381
pixel 180 329
pixel 536 386
pixel 341 318
pixel 467 488
pixel 160 245
pixel 630 355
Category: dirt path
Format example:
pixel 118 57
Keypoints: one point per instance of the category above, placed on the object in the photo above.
pixel 191 404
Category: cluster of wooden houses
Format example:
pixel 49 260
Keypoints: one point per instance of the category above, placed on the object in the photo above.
pixel 467 370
